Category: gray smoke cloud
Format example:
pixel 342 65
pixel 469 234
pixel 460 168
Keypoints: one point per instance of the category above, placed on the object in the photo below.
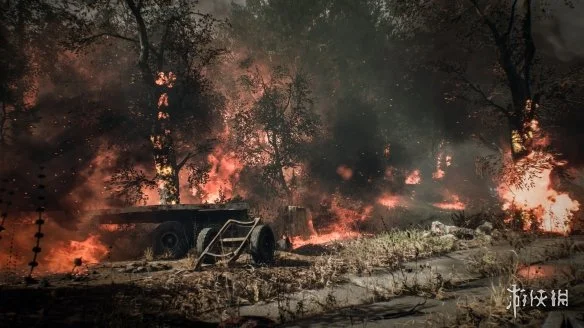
pixel 558 28
pixel 219 8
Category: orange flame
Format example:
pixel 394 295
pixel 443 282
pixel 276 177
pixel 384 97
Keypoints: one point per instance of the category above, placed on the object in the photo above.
pixel 553 210
pixel 387 200
pixel 442 161
pixel 454 204
pixel 414 177
pixel 224 174
pixel 386 151
pixel 60 257
pixel 344 228
pixel 345 172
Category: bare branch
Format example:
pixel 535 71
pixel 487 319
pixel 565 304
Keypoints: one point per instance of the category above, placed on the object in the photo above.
pixel 492 26
pixel 143 36
pixel 180 164
pixel 92 38
pixel 476 88
pixel 491 145
pixel 3 122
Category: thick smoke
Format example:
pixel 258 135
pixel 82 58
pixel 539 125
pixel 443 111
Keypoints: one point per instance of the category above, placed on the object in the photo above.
pixel 558 28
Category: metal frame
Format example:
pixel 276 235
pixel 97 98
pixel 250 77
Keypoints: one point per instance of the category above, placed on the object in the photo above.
pixel 233 255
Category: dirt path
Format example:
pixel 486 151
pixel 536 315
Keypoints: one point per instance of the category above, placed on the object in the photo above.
pixel 167 293
pixel 361 301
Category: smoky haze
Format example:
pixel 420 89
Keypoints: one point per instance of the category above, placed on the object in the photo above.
pixel 368 91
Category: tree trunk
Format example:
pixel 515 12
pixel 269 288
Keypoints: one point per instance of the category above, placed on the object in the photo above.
pixel 521 127
pixel 166 168
pixel 163 150
pixel 278 163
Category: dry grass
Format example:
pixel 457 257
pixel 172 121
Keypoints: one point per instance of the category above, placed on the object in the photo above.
pixel 487 263
pixel 389 249
pixel 149 254
pixel 222 290
pixel 493 312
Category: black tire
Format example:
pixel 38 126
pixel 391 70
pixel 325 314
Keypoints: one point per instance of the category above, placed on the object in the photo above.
pixel 262 245
pixel 203 240
pixel 170 237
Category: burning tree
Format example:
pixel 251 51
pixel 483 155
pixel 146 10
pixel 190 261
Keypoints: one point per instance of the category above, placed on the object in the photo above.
pixel 497 66
pixel 518 83
pixel 274 130
pixel 172 43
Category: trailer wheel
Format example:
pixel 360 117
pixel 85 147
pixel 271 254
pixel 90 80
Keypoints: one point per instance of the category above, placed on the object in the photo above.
pixel 203 240
pixel 262 245
pixel 170 237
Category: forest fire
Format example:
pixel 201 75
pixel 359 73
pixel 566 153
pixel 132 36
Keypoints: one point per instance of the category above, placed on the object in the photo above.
pixel 530 188
pixel 346 218
pixel 264 163
pixel 553 210
pixel 222 177
pixel 60 247
pixel 61 256
pixel 162 143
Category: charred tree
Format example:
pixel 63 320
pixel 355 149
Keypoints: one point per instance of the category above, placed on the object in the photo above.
pixel 516 54
pixel 162 142
pixel 173 45
pixel 494 61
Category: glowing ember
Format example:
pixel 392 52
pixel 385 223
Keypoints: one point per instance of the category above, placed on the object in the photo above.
pixel 389 173
pixel 439 174
pixel 454 204
pixel 539 271
pixel 60 257
pixel 387 200
pixel 442 161
pixel 414 177
pixel 324 238
pixel 386 151
pixel 448 160
pixel 111 227
pixel 345 172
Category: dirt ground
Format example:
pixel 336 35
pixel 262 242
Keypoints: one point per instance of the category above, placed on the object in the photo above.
pixel 167 293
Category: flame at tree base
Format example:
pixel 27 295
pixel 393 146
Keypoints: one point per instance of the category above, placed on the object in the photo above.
pixel 533 194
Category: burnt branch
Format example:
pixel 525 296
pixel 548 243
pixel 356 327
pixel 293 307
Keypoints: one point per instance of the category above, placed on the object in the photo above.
pixel 180 164
pixel 3 123
pixel 92 38
pixel 128 185
pixel 474 87
pixel 143 38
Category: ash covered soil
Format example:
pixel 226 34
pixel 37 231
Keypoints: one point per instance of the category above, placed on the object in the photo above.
pixel 339 284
